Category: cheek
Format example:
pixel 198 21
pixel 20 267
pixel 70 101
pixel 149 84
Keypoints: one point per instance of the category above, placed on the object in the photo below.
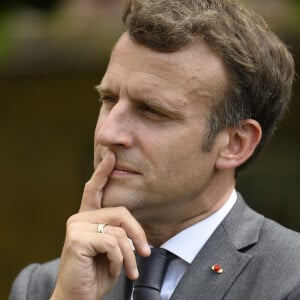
pixel 189 157
pixel 177 154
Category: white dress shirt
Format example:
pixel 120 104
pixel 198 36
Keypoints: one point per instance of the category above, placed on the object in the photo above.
pixel 202 230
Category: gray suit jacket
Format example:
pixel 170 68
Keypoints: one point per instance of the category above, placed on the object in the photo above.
pixel 260 258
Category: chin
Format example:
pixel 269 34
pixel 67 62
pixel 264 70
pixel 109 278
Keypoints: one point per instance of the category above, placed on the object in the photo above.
pixel 118 194
pixel 114 197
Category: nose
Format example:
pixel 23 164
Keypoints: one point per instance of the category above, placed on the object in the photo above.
pixel 114 126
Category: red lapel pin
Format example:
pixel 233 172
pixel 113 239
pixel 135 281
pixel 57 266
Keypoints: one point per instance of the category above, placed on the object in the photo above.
pixel 217 269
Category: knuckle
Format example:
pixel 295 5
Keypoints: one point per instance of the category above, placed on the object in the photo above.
pixel 71 220
pixel 123 211
pixel 73 227
pixel 119 233
pixel 111 242
pixel 138 234
pixel 72 239
pixel 88 183
pixel 74 233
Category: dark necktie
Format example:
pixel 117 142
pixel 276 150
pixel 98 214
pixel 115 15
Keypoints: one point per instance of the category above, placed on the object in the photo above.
pixel 152 271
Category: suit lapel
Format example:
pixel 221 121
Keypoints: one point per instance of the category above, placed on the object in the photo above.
pixel 239 230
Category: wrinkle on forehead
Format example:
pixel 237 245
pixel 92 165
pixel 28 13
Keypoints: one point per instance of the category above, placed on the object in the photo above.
pixel 186 65
pixel 153 59
pixel 196 68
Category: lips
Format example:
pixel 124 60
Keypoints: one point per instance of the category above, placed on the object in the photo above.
pixel 125 169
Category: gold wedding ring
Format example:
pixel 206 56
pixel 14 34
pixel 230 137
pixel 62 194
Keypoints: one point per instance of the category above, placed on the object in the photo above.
pixel 101 228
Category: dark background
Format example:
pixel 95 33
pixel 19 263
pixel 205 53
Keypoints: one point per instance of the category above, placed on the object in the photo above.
pixel 52 54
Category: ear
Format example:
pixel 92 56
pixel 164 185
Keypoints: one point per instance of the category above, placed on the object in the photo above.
pixel 239 144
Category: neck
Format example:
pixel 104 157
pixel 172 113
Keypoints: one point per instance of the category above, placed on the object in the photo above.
pixel 162 229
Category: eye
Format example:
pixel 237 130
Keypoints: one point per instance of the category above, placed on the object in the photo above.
pixel 152 112
pixel 149 109
pixel 108 101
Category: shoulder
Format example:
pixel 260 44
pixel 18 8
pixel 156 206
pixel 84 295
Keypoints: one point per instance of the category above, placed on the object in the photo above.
pixel 283 243
pixel 273 269
pixel 258 234
pixel 276 259
pixel 35 281
pixel 247 228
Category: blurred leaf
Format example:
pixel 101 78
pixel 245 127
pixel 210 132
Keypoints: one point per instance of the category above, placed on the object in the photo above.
pixel 296 3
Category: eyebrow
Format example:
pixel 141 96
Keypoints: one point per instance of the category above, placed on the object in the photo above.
pixel 168 111
pixel 103 90
pixel 151 102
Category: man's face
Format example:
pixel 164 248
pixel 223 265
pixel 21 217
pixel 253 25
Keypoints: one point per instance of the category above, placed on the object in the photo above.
pixel 154 118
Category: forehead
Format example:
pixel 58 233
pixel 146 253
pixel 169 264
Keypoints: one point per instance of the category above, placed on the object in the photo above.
pixel 193 70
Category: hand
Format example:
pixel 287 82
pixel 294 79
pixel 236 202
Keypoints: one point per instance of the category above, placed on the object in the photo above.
pixel 91 262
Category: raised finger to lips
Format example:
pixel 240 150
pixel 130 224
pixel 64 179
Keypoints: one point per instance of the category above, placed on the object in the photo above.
pixel 92 194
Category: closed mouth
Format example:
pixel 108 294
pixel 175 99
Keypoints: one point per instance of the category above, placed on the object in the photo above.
pixel 124 168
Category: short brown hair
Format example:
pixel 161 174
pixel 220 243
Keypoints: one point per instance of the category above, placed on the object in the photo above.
pixel 260 65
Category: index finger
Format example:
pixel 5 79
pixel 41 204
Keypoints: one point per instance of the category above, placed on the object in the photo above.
pixel 93 190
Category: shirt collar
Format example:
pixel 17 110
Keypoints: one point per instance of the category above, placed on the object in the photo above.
pixel 194 237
